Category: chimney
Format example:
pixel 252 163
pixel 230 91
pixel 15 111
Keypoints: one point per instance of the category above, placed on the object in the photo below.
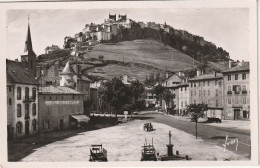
pixel 198 72
pixel 179 73
pixel 167 75
pixel 79 71
pixel 57 67
pixel 229 64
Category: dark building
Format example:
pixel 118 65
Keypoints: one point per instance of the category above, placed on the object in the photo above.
pixel 112 17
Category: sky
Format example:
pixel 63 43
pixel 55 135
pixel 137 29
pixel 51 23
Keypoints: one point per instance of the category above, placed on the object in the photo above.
pixel 226 27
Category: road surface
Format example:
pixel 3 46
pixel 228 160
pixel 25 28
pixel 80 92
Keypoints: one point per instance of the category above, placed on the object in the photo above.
pixel 211 134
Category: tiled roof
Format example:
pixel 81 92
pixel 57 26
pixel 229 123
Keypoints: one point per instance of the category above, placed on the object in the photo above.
pixel 244 67
pixel 207 76
pixel 57 90
pixel 16 73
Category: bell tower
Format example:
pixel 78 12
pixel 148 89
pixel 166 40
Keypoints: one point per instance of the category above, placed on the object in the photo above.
pixel 28 58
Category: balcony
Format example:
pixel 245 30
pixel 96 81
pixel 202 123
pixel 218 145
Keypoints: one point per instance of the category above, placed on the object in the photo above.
pixel 229 92
pixel 29 99
pixel 244 92
pixel 27 117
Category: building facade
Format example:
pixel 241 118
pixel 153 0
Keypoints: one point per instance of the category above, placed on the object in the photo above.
pixel 22 100
pixel 183 98
pixel 208 89
pixel 237 92
pixel 59 108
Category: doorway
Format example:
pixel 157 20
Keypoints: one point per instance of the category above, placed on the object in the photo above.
pixel 236 114
pixel 61 124
pixel 27 126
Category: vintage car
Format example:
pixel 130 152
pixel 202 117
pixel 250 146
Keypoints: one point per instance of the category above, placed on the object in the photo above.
pixel 148 126
pixel 98 153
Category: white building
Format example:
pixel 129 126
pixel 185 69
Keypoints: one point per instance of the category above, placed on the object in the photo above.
pixel 22 100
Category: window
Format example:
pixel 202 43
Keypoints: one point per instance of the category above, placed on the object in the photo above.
pixel 194 101
pixel 194 84
pixel 236 76
pixel 229 77
pixel 10 89
pixel 50 97
pixel 216 82
pixel 199 84
pixel 203 83
pixel 199 92
pixel 19 110
pixel 204 93
pixel 208 83
pixel 181 90
pixel 208 92
pixel 19 126
pixel 229 100
pixel 236 100
pixel 185 88
pixel 229 88
pixel 243 76
pixel 243 100
pixel 191 93
pixel 34 124
pixel 186 103
pixel 219 83
pixel 73 97
pixel 27 110
pixel 27 93
pixel 34 109
pixel 10 101
pixel 244 87
pixel 34 93
pixel 181 104
pixel 19 93
pixel 216 92
pixel 191 84
pixel 194 92
pixel 216 103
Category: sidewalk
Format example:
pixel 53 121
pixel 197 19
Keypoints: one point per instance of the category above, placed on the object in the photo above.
pixel 232 124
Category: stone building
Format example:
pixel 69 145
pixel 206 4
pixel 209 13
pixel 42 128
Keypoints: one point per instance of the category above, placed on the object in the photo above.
pixel 22 100
pixel 51 48
pixel 208 89
pixel 60 108
pixel 237 92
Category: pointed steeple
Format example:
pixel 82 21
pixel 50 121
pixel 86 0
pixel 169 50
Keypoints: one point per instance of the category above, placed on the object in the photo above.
pixel 28 42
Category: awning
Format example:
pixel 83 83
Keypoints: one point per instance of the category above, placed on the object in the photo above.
pixel 81 118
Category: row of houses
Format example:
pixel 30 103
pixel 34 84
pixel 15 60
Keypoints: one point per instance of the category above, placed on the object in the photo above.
pixel 227 94
pixel 45 97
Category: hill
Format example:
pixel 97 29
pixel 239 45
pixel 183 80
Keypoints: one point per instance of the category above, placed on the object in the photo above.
pixel 146 52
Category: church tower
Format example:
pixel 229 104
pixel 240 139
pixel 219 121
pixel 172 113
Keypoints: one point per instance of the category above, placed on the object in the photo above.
pixel 28 58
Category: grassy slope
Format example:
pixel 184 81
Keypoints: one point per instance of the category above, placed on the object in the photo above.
pixel 146 52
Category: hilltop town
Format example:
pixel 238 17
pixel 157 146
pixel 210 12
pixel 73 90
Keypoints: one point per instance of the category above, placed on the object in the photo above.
pixel 111 72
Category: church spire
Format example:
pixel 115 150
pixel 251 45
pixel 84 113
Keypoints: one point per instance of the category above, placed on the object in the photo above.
pixel 28 42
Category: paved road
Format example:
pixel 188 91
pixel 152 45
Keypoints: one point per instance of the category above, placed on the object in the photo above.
pixel 211 134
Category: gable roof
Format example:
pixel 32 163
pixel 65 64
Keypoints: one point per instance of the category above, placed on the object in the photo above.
pixel 243 67
pixel 16 73
pixel 57 90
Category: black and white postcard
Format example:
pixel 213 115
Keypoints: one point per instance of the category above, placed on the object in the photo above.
pixel 134 83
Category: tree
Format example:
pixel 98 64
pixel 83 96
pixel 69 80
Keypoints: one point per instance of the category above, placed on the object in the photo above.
pixel 197 111
pixel 115 93
pixel 167 96
pixel 136 89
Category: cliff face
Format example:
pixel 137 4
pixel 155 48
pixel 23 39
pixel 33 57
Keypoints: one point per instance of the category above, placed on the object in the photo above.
pixel 192 48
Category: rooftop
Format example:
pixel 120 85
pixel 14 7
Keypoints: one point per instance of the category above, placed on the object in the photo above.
pixel 68 69
pixel 16 73
pixel 241 67
pixel 207 76
pixel 57 90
